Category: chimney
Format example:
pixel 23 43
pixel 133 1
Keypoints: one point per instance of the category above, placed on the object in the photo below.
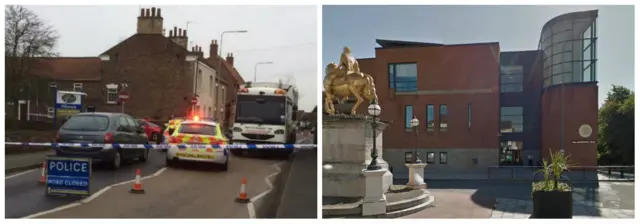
pixel 179 37
pixel 213 49
pixel 150 21
pixel 197 50
pixel 230 59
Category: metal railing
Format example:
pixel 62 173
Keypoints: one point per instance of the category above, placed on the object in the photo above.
pixel 577 173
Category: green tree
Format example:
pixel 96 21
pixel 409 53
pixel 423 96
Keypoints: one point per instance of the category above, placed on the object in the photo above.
pixel 616 128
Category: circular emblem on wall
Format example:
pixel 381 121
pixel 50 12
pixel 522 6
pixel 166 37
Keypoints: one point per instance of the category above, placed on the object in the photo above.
pixel 585 131
pixel 69 98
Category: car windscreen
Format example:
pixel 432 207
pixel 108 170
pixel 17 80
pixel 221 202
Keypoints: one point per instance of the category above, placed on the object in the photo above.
pixel 87 123
pixel 197 129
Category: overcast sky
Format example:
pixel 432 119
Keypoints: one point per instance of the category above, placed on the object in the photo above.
pixel 515 27
pixel 285 35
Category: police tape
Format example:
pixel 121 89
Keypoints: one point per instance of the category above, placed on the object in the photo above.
pixel 165 146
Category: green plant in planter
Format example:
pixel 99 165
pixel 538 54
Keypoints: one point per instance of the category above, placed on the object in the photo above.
pixel 552 172
pixel 552 198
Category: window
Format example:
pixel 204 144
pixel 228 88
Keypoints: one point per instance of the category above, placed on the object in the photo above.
pixel 431 123
pixel 511 119
pixel 408 115
pixel 469 115
pixel 112 93
pixel 211 85
pixel 511 77
pixel 198 81
pixel 408 157
pixel 87 123
pixel 215 98
pixel 50 112
pixel 77 87
pixel 510 152
pixel 224 98
pixel 431 157
pixel 443 117
pixel 403 77
pixel 443 157
pixel 53 85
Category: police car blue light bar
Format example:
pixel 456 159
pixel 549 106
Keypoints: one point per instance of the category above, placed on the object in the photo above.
pixel 166 146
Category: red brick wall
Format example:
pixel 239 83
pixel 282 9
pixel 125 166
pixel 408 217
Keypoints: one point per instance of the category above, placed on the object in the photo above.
pixel 581 107
pixel 459 67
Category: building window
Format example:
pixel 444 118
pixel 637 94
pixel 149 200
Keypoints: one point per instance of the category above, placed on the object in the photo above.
pixel 403 77
pixel 443 157
pixel 408 115
pixel 511 77
pixel 50 112
pixel 431 123
pixel 77 87
pixel 215 98
pixel 469 115
pixel 53 85
pixel 211 85
pixel 443 117
pixel 198 81
pixel 408 157
pixel 511 152
pixel 112 93
pixel 431 157
pixel 589 54
pixel 511 119
pixel 224 97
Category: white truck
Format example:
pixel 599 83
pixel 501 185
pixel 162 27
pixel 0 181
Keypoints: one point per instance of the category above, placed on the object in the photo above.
pixel 266 114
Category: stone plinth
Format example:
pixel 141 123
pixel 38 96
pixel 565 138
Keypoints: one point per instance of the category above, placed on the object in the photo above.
pixel 375 202
pixel 346 151
pixel 416 176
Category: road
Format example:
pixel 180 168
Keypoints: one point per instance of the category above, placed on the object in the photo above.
pixel 175 192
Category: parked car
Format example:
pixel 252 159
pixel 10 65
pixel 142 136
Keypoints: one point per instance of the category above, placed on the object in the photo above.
pixel 103 128
pixel 153 131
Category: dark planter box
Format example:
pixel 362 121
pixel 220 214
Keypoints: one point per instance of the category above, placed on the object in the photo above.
pixel 552 204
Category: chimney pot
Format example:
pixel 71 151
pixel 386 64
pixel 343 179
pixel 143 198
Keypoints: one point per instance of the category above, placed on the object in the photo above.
pixel 184 34
pixel 153 11
pixel 159 13
pixel 175 31
pixel 141 12
pixel 179 32
pixel 170 33
pixel 146 13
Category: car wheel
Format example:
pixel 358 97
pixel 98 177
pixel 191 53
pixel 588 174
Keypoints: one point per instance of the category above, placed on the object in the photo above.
pixel 117 161
pixel 225 166
pixel 168 162
pixel 145 155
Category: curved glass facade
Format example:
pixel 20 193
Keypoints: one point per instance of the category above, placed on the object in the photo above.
pixel 568 43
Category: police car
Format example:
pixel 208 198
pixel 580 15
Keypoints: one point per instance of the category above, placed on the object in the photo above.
pixel 200 135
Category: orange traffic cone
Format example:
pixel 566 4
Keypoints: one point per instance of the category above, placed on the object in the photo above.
pixel 242 198
pixel 137 186
pixel 43 177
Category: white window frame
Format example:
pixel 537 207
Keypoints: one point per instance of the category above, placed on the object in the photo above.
pixel 77 87
pixel 50 112
pixel 111 89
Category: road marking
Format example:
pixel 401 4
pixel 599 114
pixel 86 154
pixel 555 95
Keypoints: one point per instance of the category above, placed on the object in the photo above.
pixel 250 207
pixel 20 174
pixel 92 197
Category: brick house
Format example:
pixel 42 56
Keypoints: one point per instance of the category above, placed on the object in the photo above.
pixel 158 72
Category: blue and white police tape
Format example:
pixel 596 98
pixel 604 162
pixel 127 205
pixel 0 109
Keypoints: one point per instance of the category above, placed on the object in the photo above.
pixel 165 146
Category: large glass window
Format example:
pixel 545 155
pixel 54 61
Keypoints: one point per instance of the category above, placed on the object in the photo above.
pixel 511 119
pixel 403 77
pixel 511 77
pixel 408 115
pixel 430 117
pixel 511 152
pixel 569 47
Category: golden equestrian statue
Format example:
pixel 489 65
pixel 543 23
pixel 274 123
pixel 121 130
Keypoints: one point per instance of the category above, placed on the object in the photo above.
pixel 345 80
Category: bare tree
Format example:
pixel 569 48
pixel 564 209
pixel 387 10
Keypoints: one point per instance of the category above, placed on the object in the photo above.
pixel 26 38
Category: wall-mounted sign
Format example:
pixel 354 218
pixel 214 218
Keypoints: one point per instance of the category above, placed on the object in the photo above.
pixel 583 142
pixel 68 103
pixel 585 131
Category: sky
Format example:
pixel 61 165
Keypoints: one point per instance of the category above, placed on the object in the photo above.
pixel 514 27
pixel 284 35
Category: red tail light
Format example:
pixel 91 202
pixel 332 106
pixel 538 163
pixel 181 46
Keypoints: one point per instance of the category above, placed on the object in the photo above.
pixel 108 138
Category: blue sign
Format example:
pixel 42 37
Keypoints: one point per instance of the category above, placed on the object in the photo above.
pixel 71 176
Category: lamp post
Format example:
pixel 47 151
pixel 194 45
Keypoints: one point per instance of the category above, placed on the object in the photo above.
pixel 255 69
pixel 414 124
pixel 374 110
pixel 220 47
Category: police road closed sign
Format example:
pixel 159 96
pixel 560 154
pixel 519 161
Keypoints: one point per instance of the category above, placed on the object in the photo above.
pixel 69 176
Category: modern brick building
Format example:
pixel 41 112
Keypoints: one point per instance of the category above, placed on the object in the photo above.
pixel 479 107
pixel 158 71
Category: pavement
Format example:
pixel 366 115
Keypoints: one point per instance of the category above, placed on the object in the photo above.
pixel 512 199
pixel 25 161
pixel 176 192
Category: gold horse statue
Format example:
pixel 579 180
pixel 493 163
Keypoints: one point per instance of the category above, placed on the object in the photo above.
pixel 354 84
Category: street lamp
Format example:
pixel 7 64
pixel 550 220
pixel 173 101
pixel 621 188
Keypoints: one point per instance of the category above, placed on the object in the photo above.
pixel 374 110
pixel 414 124
pixel 220 46
pixel 255 69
